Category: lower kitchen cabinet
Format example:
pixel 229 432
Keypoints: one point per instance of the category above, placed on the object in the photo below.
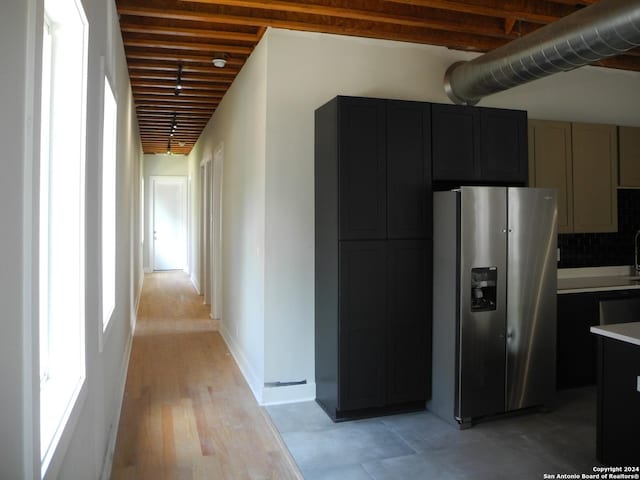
pixel 362 325
pixel 576 347
pixel 618 403
pixel 408 326
pixel 373 351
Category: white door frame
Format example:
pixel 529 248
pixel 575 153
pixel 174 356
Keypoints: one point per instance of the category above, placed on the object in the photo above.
pixel 206 230
pixel 173 179
pixel 216 232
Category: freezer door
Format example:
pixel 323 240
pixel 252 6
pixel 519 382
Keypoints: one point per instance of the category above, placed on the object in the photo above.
pixel 531 303
pixel 481 360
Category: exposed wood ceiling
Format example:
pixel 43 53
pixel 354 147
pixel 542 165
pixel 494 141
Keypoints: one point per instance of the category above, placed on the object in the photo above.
pixel 162 36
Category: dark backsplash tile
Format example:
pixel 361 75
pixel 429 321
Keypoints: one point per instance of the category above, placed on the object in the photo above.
pixel 604 249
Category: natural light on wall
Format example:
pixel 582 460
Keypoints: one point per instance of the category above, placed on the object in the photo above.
pixel 109 139
pixel 61 225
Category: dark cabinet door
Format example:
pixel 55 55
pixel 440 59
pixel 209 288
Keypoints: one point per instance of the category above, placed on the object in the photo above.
pixel 456 143
pixel 362 169
pixel 618 403
pixel 409 321
pixel 576 345
pixel 408 169
pixel 362 330
pixel 504 145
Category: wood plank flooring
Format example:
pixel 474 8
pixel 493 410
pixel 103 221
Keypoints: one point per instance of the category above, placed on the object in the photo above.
pixel 187 411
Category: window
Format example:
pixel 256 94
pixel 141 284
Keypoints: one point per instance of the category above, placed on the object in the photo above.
pixel 61 220
pixel 109 138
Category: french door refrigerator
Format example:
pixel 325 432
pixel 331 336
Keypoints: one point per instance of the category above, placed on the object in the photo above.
pixel 494 301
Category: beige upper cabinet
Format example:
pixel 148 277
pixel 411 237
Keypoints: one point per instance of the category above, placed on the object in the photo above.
pixel 595 177
pixel 629 145
pixel 580 161
pixel 550 165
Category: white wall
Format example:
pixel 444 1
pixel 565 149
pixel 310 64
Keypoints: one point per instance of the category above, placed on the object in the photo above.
pixel 16 412
pixel 238 125
pixel 158 165
pixel 96 422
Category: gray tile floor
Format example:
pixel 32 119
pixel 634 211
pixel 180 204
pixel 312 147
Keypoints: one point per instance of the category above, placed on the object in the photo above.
pixel 422 446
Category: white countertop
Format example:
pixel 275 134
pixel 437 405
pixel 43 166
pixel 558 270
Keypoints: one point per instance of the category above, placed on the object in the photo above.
pixel 626 332
pixel 597 279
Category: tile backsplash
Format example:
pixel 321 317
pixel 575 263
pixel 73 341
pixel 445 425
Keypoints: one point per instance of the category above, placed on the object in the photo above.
pixel 604 249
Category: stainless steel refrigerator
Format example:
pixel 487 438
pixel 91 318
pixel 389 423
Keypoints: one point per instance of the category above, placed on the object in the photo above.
pixel 494 301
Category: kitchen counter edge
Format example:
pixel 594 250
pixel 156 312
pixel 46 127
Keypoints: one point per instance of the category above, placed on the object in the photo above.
pixel 625 332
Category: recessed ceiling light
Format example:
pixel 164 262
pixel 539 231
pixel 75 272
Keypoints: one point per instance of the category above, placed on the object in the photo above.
pixel 220 60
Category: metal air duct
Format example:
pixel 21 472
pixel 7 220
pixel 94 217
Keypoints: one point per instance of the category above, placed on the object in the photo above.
pixel 601 30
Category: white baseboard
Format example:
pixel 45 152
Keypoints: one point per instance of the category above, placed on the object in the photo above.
pixel 288 394
pixel 148 270
pixel 196 284
pixel 113 433
pixel 255 384
pixel 266 395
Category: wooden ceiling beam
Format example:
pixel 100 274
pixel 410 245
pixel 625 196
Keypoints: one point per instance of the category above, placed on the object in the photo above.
pixel 508 24
pixel 171 69
pixel 187 59
pixel 177 100
pixel 192 79
pixel 528 10
pixel 160 93
pixel 195 63
pixel 157 109
pixel 622 62
pixel 214 84
pixel 193 46
pixel 184 110
pixel 165 133
pixel 193 117
pixel 127 26
pixel 184 127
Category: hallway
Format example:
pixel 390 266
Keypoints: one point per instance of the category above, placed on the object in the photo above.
pixel 187 412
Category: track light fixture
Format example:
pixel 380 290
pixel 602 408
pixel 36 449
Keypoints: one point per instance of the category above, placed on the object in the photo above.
pixel 179 81
pixel 174 127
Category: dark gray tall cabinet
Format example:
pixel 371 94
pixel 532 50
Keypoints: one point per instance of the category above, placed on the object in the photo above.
pixel 373 223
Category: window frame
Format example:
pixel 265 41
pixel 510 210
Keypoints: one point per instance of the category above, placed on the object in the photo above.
pixel 108 197
pixel 62 229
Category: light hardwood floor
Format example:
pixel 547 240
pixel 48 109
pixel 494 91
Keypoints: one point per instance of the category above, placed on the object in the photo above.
pixel 187 411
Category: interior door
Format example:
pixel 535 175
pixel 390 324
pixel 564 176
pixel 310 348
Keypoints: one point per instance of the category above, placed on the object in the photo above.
pixel 169 223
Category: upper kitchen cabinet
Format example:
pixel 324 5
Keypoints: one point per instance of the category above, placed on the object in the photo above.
pixel 629 156
pixel 361 167
pixel 456 142
pixel 595 178
pixel 503 152
pixel 580 161
pixel 409 201
pixel 551 165
pixel 373 168
pixel 479 145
